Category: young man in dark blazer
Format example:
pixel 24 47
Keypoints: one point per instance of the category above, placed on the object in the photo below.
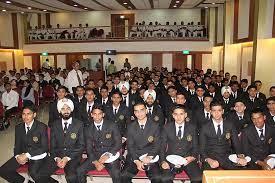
pixel 270 113
pixel 118 113
pixel 218 139
pixel 83 112
pixel 154 111
pixel 143 137
pixel 101 136
pixel 258 141
pixel 67 145
pixel 31 147
pixel 180 138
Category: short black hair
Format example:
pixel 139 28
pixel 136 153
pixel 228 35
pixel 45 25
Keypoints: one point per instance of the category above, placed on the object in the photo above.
pixel 89 89
pixel 200 87
pixel 140 103
pixel 271 88
pixel 256 111
pixel 6 84
pixel 104 87
pixel 31 108
pixel 62 87
pixel 118 93
pixel 239 100
pixel 82 87
pixel 173 87
pixel 99 107
pixel 244 81
pixel 270 99
pixel 216 103
pixel 252 86
pixel 179 106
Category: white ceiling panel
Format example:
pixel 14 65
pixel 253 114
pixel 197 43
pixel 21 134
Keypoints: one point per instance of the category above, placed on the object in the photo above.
pixel 141 4
pixel 91 4
pixel 60 5
pixel 113 4
pixel 37 5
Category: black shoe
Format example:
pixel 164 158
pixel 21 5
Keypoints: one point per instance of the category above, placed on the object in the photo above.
pixel 7 125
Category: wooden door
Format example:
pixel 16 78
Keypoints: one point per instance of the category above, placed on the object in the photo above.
pixel 179 61
pixel 118 24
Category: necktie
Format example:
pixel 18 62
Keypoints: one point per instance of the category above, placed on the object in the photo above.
pixel 174 100
pixel 262 134
pixel 252 99
pixel 240 117
pixel 124 100
pixel 219 131
pixel 150 111
pixel 65 127
pixel 89 110
pixel 226 101
pixel 78 78
pixel 28 129
pixel 115 111
pixel 142 127
pixel 98 128
pixel 179 132
pixel 207 116
pixel 104 102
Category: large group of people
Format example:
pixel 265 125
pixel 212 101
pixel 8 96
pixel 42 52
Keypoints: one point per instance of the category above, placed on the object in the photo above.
pixel 155 121
pixel 139 30
pixel 156 30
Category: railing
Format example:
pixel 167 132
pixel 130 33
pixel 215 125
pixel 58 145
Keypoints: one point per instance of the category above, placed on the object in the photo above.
pixel 136 32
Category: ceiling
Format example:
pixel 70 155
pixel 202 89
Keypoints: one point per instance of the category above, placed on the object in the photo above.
pixel 52 6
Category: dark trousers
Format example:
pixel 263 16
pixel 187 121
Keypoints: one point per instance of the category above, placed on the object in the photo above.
pixel 9 112
pixel 192 170
pixel 50 166
pixel 8 170
pixel 130 170
pixel 112 168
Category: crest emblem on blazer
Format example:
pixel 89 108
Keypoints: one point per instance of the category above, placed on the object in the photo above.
pixel 189 138
pixel 245 125
pixel 73 136
pixel 133 102
pixel 187 119
pixel 156 118
pixel 227 135
pixel 108 135
pixel 270 141
pixel 35 139
pixel 121 117
pixel 150 139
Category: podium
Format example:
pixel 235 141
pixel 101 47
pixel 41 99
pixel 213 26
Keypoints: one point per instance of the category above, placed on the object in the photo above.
pixel 238 176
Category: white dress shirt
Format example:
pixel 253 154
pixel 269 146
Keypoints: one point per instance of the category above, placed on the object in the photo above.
pixel 259 132
pixel 72 81
pixel 10 99
pixel 216 126
pixel 205 114
pixel 69 121
pixel 139 123
pixel 115 109
pixel 99 124
pixel 152 108
pixel 177 129
pixel 127 99
pixel 89 104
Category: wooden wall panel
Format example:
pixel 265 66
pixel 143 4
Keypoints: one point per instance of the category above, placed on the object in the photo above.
pixel 273 30
pixel 179 61
pixel 70 58
pixel 197 61
pixel 36 62
pixel 15 30
pixel 157 60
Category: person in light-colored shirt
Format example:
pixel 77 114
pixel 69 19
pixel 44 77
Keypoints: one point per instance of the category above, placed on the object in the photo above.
pixel 74 78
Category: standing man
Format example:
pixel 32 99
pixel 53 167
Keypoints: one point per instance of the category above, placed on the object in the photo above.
pixel 103 140
pixel 74 78
pixel 67 145
pixel 126 64
pixel 143 137
pixel 31 147
pixel 180 138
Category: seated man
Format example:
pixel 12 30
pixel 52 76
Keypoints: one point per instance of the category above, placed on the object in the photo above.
pixel 180 138
pixel 219 139
pixel 31 147
pixel 102 140
pixel 67 144
pixel 257 141
pixel 143 138
pixel 10 99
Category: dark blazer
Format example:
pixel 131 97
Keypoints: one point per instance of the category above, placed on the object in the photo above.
pixel 171 144
pixel 239 124
pixel 107 140
pixel 122 117
pixel 157 115
pixel 251 105
pixel 55 83
pixel 35 142
pixel 269 119
pixel 70 144
pixel 53 113
pixel 213 147
pixel 229 106
pixel 199 118
pixel 82 113
pixel 108 103
pixel 144 141
pixel 254 147
pixel 195 103
pixel 77 102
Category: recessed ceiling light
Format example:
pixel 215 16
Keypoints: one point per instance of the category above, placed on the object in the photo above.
pixel 177 1
pixel 122 16
pixel 125 3
pixel 206 7
pixel 44 10
pixel 8 2
pixel 75 5
pixel 129 7
pixel 4 10
pixel 85 8
pixel 22 12
pixel 213 3
pixel 29 8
